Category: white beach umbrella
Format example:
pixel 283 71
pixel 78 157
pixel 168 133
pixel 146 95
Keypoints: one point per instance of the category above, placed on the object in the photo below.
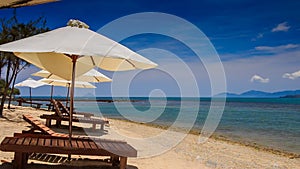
pixel 54 80
pixel 71 51
pixel 65 83
pixel 55 50
pixel 31 84
pixel 90 76
pixel 20 3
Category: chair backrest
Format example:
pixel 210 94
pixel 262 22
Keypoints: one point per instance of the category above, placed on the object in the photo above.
pixel 56 108
pixel 36 124
pixel 63 108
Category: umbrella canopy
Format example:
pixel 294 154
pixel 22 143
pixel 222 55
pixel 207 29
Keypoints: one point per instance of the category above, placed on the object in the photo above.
pixel 74 50
pixel 20 3
pixel 65 83
pixel 31 84
pixel 90 76
pixel 53 51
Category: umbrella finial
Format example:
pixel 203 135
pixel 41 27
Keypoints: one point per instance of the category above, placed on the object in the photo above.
pixel 77 23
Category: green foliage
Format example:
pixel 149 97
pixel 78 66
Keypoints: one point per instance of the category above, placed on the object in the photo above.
pixel 16 91
pixel 2 89
pixel 11 30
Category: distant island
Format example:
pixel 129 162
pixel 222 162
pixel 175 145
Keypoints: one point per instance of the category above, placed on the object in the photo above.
pixel 292 96
pixel 261 94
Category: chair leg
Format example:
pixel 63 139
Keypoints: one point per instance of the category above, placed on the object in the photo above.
pixel 94 126
pixel 58 123
pixel 123 162
pixel 48 122
pixel 20 160
pixel 114 160
pixel 25 157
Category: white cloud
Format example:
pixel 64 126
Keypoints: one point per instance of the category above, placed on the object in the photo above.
pixel 292 76
pixel 260 35
pixel 256 78
pixel 281 27
pixel 275 49
pixel 240 70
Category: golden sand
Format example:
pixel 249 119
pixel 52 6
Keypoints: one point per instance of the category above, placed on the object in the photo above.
pixel 214 153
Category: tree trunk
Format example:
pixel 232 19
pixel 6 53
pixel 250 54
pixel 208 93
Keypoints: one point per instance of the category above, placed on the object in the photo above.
pixel 6 88
pixel 13 85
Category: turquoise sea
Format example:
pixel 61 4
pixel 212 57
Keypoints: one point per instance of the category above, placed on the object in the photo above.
pixel 269 122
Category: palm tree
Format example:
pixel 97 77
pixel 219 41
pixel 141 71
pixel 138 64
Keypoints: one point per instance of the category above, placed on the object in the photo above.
pixel 12 30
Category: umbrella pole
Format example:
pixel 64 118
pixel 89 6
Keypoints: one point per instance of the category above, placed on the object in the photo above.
pixel 67 97
pixel 74 59
pixel 30 97
pixel 51 93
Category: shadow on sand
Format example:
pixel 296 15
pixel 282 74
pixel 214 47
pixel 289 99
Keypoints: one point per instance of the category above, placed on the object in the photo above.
pixel 61 162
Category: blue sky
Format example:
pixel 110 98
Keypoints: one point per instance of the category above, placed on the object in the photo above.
pixel 257 42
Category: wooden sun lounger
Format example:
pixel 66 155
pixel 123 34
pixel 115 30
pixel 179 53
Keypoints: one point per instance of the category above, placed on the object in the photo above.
pixel 63 115
pixel 37 125
pixel 23 145
pixel 48 141
pixel 64 109
pixel 21 101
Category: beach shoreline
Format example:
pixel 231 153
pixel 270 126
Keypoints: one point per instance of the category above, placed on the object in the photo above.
pixel 220 137
pixel 216 152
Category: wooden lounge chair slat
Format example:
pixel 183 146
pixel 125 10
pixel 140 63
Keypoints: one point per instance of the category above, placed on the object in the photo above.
pixel 93 145
pixel 118 148
pixel 86 144
pixel 73 143
pixel 123 146
pixel 41 142
pixel 54 142
pixel 61 143
pixel 34 141
pixel 47 142
pixel 107 146
pixel 20 141
pixel 5 141
pixel 27 141
pixel 67 143
pixel 80 143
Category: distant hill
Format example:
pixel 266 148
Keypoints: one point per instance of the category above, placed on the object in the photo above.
pixel 292 96
pixel 228 95
pixel 255 93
